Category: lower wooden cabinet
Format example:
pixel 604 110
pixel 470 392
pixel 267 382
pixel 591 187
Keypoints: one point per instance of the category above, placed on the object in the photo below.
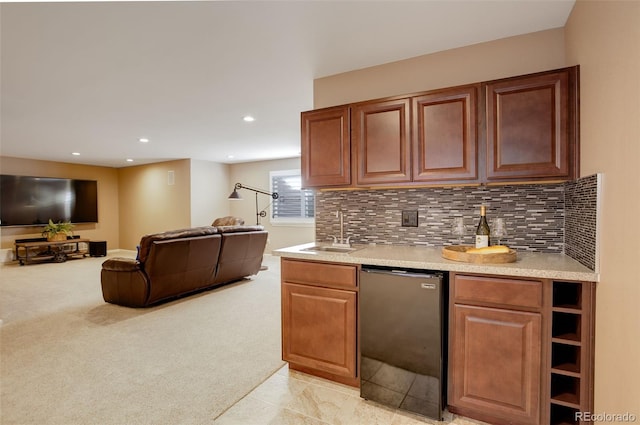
pixel 495 350
pixel 520 350
pixel 496 363
pixel 319 319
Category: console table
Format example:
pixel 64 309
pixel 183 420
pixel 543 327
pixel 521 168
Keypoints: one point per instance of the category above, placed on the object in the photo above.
pixel 59 252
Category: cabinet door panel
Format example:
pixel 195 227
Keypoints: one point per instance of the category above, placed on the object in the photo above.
pixel 495 363
pixel 530 127
pixel 319 328
pixel 381 132
pixel 326 147
pixel 445 137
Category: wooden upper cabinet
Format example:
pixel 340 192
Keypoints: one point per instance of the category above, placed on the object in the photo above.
pixel 381 142
pixel 514 129
pixel 445 135
pixel 531 127
pixel 326 147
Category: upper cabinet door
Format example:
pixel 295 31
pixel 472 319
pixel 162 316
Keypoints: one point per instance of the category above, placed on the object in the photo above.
pixel 445 135
pixel 381 134
pixel 326 147
pixel 531 127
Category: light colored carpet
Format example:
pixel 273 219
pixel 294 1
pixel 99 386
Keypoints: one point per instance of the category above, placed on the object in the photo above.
pixel 67 357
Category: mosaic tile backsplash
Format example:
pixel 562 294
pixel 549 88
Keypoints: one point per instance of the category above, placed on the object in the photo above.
pixel 581 210
pixel 534 216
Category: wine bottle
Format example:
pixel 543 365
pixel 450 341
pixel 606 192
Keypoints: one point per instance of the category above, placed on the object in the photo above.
pixel 482 232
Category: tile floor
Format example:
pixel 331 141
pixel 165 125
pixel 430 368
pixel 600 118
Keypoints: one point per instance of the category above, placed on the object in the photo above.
pixel 291 397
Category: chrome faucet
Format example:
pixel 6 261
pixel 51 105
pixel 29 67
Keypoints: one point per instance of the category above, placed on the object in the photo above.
pixel 342 242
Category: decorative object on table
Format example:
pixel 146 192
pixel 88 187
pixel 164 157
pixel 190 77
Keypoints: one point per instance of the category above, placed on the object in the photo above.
pixel 499 230
pixel 468 254
pixel 482 231
pixel 259 213
pixel 57 231
pixel 458 228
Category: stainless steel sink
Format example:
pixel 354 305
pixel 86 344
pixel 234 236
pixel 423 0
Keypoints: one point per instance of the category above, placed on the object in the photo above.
pixel 329 248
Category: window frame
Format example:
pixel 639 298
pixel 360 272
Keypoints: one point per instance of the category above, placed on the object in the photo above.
pixel 288 221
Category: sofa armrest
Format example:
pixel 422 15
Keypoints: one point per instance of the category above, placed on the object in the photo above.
pixel 121 265
pixel 124 282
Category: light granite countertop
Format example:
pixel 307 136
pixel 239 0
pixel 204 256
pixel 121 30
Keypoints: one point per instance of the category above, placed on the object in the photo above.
pixel 528 264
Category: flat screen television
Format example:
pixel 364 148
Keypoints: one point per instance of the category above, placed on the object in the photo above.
pixel 32 201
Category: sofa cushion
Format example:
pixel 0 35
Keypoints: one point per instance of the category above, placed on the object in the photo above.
pixel 240 254
pixel 179 266
pixel 238 229
pixel 147 240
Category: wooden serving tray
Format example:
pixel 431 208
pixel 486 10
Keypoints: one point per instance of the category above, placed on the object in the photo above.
pixel 459 253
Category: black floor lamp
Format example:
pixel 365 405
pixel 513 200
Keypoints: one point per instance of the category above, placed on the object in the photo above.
pixel 236 195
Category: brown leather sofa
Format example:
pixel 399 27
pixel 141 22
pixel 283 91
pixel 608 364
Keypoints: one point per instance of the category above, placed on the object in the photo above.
pixel 178 262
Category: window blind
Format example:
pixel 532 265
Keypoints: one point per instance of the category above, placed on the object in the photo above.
pixel 293 202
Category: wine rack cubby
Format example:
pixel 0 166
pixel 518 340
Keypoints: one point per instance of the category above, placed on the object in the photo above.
pixel 566 358
pixel 571 351
pixel 563 415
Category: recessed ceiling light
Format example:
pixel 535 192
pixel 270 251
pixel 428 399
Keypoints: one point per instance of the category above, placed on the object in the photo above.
pixel 143 140
pixel 230 156
pixel 75 153
pixel 248 118
pixel 129 160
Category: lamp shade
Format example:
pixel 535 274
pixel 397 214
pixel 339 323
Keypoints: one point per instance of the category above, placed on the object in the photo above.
pixel 235 195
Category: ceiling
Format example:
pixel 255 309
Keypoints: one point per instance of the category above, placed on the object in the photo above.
pixel 95 77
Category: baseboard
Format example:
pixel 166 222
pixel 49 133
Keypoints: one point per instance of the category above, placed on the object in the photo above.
pixel 121 251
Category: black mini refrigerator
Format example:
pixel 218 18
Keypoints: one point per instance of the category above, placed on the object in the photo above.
pixel 402 339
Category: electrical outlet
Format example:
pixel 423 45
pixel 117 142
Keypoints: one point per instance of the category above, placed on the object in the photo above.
pixel 409 218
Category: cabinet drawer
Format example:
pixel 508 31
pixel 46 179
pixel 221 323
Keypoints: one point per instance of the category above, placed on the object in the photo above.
pixel 319 274
pixel 497 291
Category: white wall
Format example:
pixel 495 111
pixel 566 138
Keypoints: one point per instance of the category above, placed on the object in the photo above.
pixel 209 191
pixel 604 38
pixel 256 174
pixel 150 203
pixel 523 54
